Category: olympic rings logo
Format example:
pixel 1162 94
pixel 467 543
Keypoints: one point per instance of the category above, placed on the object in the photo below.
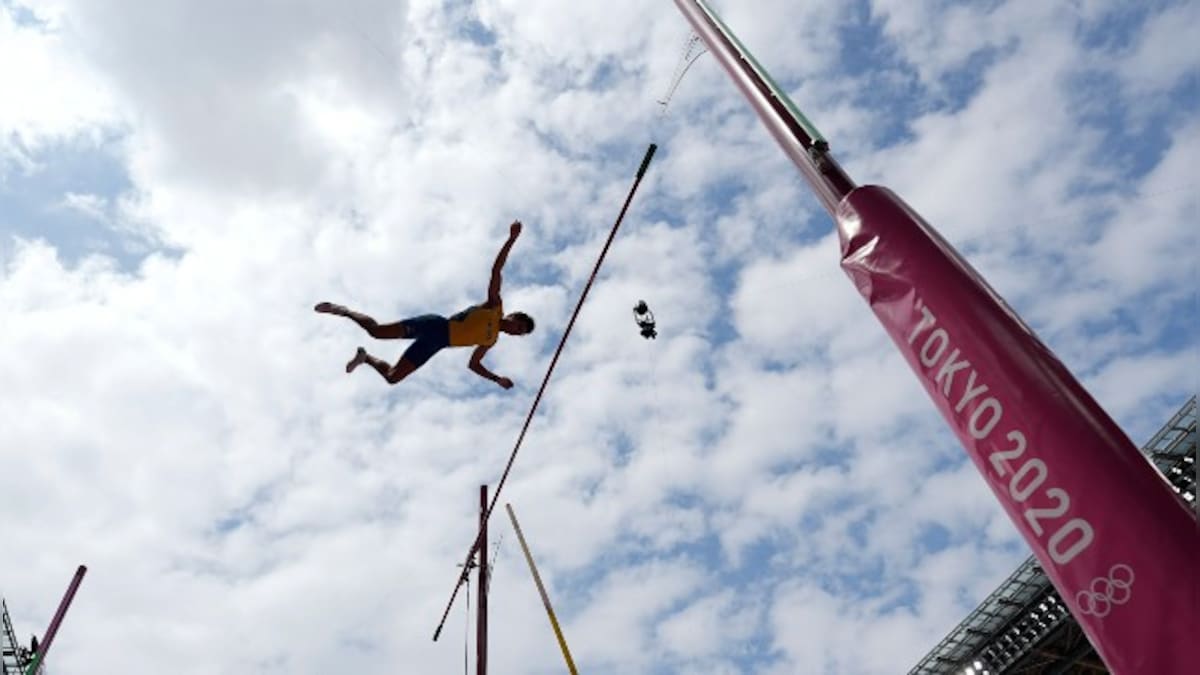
pixel 1105 592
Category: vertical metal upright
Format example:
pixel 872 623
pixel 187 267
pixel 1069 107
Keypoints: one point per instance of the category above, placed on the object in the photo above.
pixel 482 612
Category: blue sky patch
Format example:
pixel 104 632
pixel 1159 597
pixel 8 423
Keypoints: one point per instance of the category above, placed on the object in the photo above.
pixel 67 199
pixel 21 15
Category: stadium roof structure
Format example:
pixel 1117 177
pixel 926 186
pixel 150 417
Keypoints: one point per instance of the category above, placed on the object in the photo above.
pixel 1023 626
pixel 14 657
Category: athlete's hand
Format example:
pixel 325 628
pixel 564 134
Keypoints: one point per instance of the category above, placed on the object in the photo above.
pixel 514 229
pixel 504 382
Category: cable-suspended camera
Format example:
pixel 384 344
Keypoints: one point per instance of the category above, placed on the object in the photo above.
pixel 645 320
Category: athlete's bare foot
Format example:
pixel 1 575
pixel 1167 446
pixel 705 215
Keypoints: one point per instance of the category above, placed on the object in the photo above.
pixel 330 308
pixel 360 357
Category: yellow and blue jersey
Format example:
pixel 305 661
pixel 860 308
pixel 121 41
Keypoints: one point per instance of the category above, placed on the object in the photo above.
pixel 476 325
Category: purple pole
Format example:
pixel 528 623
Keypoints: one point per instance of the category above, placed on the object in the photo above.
pixel 56 621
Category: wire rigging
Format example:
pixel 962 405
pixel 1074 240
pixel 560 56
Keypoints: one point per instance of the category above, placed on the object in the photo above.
pixel 686 59
pixel 492 565
pixel 467 630
pixel 545 381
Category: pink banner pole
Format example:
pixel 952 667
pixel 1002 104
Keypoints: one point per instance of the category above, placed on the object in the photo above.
pixel 1118 544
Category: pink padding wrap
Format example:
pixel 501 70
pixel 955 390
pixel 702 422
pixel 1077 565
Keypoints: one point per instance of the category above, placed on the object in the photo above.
pixel 1051 455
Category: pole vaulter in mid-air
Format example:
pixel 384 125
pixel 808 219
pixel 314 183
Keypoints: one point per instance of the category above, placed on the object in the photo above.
pixel 477 326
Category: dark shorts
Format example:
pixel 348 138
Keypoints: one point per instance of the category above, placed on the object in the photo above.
pixel 430 334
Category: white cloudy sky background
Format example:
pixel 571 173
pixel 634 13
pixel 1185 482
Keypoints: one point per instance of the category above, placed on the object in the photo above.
pixel 762 489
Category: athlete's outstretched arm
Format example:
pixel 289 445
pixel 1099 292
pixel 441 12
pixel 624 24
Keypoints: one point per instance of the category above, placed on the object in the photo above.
pixel 479 369
pixel 514 231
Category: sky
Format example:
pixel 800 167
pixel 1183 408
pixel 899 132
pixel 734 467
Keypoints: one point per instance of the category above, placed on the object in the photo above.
pixel 765 488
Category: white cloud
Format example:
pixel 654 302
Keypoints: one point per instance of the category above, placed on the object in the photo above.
pixel 93 207
pixel 1160 58
pixel 60 99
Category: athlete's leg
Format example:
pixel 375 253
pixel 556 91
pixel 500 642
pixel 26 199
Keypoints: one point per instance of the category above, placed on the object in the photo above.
pixel 360 357
pixel 414 357
pixel 432 333
pixel 392 374
pixel 387 331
